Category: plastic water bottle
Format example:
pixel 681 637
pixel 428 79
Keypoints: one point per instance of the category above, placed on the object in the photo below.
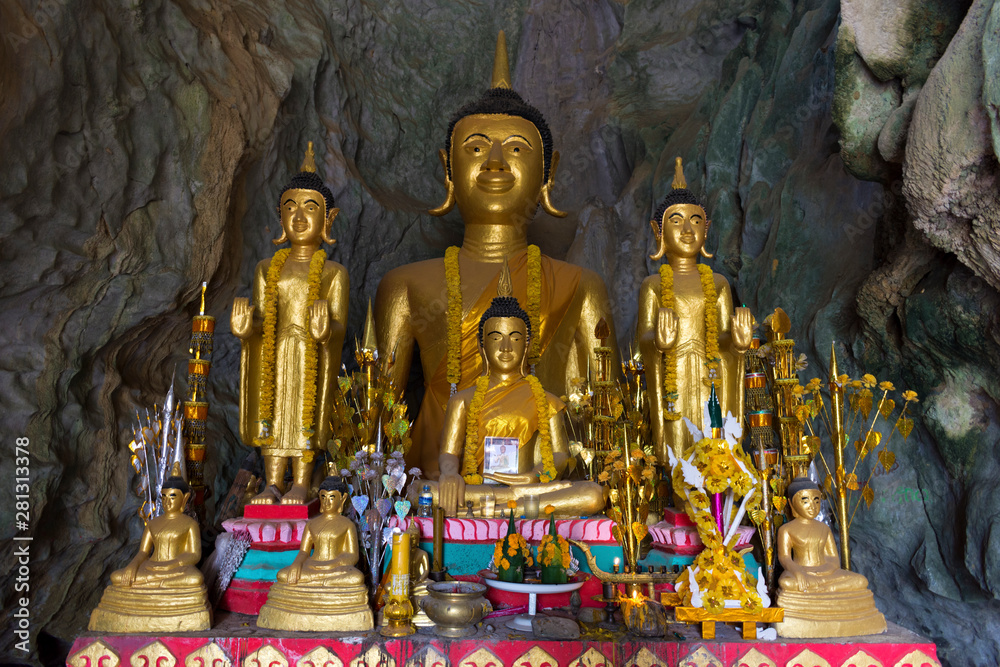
pixel 424 502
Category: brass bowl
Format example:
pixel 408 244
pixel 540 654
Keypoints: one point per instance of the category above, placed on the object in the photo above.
pixel 455 607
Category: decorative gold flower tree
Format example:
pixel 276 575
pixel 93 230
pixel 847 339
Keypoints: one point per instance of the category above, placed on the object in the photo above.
pixel 844 420
pixel 630 481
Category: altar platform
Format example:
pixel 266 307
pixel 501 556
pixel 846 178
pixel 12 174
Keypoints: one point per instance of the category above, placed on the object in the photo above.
pixel 235 640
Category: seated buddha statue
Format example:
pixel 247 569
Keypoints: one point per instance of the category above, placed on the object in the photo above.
pixel 161 589
pixel 820 599
pixel 508 406
pixel 689 335
pixel 322 589
pixel 292 337
pixel 499 167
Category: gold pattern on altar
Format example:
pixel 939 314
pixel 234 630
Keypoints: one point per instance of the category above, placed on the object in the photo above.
pixel 644 658
pixel 209 655
pixel 917 658
pixel 374 656
pixel 480 658
pixel 755 658
pixel 701 657
pixel 153 655
pixel 429 657
pixel 320 656
pixel 862 659
pixel 592 658
pixel 266 656
pixel 536 657
pixel 808 659
pixel 97 654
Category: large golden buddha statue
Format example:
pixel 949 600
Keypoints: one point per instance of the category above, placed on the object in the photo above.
pixel 499 168
pixel 508 417
pixel 689 334
pixel 819 598
pixel 161 589
pixel 292 337
pixel 322 590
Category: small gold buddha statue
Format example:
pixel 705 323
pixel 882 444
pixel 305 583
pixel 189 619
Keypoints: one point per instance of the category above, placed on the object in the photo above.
pixel 292 337
pixel 161 589
pixel 322 589
pixel 499 167
pixel 507 407
pixel 820 599
pixel 689 334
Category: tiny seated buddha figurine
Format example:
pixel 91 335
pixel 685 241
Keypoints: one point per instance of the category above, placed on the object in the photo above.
pixel 507 407
pixel 321 589
pixel 820 599
pixel 161 589
pixel 292 337
pixel 689 334
pixel 499 168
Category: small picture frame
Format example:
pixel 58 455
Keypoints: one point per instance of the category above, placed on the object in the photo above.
pixel 500 455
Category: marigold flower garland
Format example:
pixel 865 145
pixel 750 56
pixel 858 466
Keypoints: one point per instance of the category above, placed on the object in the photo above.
pixel 269 344
pixel 453 282
pixel 711 333
pixel 544 442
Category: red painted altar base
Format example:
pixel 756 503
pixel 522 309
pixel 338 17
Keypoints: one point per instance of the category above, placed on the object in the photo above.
pixel 236 641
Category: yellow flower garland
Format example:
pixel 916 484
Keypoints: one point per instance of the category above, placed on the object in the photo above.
pixel 269 345
pixel 711 333
pixel 453 280
pixel 470 467
pixel 472 431
pixel 454 285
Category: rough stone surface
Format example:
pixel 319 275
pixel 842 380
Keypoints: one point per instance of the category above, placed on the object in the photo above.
pixel 144 145
pixel 555 627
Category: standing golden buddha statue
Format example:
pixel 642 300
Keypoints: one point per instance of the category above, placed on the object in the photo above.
pixel 689 334
pixel 499 168
pixel 161 589
pixel 291 340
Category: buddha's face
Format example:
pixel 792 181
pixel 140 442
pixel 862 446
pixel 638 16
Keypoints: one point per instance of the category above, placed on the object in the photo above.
pixel 331 502
pixel 496 165
pixel 684 228
pixel 303 216
pixel 173 500
pixel 805 504
pixel 504 343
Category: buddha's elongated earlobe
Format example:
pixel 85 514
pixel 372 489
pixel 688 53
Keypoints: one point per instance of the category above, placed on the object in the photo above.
pixel 658 235
pixel 284 235
pixel 705 253
pixel 329 224
pixel 449 202
pixel 546 192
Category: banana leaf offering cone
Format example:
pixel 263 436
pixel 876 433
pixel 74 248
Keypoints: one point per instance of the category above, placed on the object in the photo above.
pixel 553 553
pixel 512 553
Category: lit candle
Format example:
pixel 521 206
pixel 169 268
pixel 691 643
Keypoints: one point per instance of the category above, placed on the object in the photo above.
pixel 615 565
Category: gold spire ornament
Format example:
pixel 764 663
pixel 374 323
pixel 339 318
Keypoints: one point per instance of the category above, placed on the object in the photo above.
pixel 501 65
pixel 679 183
pixel 196 405
pixel 309 160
